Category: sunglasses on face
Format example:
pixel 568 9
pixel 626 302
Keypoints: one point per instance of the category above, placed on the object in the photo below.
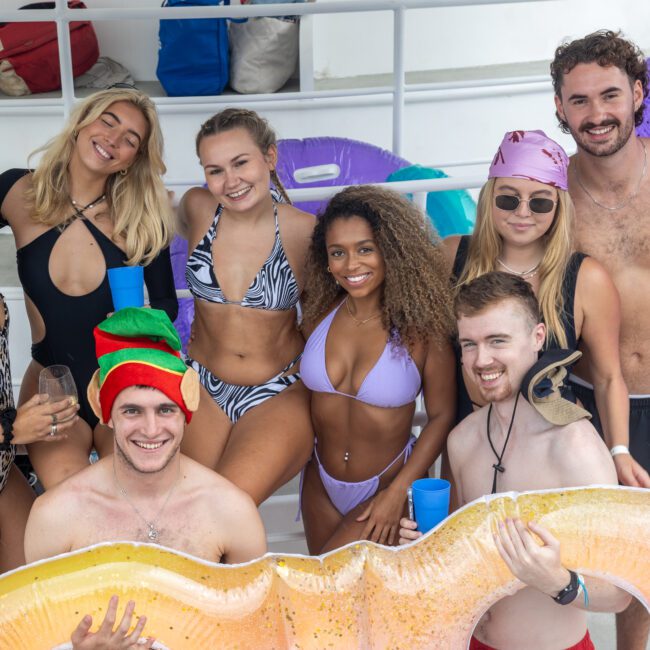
pixel 510 203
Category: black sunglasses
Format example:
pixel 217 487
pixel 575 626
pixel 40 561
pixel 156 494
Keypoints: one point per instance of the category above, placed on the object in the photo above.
pixel 538 205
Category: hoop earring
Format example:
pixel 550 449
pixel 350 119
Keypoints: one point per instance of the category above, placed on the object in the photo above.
pixel 329 270
pixel 124 172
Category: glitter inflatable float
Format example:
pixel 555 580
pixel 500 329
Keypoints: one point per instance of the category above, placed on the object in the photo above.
pixel 429 594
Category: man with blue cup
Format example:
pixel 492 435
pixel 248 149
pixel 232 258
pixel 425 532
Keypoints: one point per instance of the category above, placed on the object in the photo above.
pixel 527 437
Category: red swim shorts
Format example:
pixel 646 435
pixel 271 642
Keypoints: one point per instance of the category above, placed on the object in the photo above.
pixel 585 644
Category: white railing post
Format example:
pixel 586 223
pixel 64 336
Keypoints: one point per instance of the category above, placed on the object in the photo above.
pixel 65 55
pixel 420 199
pixel 399 78
pixel 306 53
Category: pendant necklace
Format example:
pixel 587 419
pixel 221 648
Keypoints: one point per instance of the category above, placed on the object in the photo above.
pixel 358 322
pixel 613 208
pixel 153 532
pixel 525 275
pixel 498 467
pixel 79 210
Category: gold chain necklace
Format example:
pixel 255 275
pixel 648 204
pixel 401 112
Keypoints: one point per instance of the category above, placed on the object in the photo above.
pixel 629 198
pixel 358 322
pixel 153 532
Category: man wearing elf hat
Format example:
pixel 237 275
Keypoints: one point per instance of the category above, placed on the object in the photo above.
pixel 147 491
pixel 527 437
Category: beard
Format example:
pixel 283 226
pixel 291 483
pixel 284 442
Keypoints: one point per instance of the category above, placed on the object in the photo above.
pixel 124 456
pixel 497 393
pixel 625 130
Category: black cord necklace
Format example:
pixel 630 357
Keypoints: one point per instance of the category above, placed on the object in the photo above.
pixel 498 467
pixel 79 211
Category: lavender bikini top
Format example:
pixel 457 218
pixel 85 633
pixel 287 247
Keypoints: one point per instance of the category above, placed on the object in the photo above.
pixel 393 381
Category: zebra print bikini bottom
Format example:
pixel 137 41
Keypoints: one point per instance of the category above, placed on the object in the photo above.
pixel 236 400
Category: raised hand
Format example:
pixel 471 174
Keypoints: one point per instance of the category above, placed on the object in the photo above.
pixel 107 638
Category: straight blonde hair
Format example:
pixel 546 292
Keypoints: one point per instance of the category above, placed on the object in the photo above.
pixel 486 246
pixel 137 201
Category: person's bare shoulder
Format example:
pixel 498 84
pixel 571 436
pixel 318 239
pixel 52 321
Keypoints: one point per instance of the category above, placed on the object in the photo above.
pixel 14 206
pixel 295 217
pixel 581 456
pixel 465 434
pixel 216 493
pixel 231 512
pixel 51 524
pixel 450 248
pixel 298 225
pixel 197 198
pixel 196 207
pixel 592 275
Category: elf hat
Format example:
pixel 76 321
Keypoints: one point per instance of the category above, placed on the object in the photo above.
pixel 137 346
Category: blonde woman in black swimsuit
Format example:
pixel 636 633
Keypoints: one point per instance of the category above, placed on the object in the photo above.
pixel 95 201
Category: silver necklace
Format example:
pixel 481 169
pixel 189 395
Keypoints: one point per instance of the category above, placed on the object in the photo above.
pixel 358 322
pixel 153 532
pixel 629 198
pixel 522 274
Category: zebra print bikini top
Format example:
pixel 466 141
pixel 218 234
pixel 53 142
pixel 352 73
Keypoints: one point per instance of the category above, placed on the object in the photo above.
pixel 274 287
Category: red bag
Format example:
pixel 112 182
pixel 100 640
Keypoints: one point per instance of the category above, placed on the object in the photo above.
pixel 29 52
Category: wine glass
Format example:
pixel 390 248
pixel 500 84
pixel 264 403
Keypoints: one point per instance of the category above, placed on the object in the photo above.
pixel 57 383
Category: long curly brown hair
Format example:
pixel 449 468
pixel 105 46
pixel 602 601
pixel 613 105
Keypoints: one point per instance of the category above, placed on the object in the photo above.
pixel 416 302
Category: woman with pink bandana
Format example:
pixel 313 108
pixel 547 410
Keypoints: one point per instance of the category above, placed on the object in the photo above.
pixel 524 226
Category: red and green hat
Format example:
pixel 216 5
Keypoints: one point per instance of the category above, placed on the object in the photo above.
pixel 137 346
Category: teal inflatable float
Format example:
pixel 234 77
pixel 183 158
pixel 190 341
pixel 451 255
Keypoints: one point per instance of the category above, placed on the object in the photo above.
pixel 452 212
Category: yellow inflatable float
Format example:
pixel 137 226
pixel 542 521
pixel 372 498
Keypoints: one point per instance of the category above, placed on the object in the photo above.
pixel 426 595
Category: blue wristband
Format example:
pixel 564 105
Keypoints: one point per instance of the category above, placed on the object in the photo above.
pixel 585 593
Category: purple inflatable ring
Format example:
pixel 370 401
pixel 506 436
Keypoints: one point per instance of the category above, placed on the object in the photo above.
pixel 326 162
pixel 643 129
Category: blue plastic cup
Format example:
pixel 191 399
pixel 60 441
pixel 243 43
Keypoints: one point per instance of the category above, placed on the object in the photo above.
pixel 430 502
pixel 127 286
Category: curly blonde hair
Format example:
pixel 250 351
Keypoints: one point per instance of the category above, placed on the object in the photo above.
pixel 486 246
pixel 137 201
pixel 416 301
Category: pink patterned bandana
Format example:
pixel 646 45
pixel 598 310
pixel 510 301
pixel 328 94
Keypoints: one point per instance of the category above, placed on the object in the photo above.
pixel 532 155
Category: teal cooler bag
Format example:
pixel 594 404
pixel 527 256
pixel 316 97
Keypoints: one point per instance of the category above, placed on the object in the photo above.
pixel 193 54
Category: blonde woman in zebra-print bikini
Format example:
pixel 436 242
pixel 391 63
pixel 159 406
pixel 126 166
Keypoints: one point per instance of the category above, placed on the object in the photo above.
pixel 253 424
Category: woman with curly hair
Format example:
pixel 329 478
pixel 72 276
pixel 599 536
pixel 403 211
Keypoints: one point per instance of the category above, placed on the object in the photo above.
pixel 246 271
pixel 378 312
pixel 95 201
pixel 524 226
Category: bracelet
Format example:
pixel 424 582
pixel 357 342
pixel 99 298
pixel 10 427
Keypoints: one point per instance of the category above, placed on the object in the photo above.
pixel 619 449
pixel 570 592
pixel 583 589
pixel 7 418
